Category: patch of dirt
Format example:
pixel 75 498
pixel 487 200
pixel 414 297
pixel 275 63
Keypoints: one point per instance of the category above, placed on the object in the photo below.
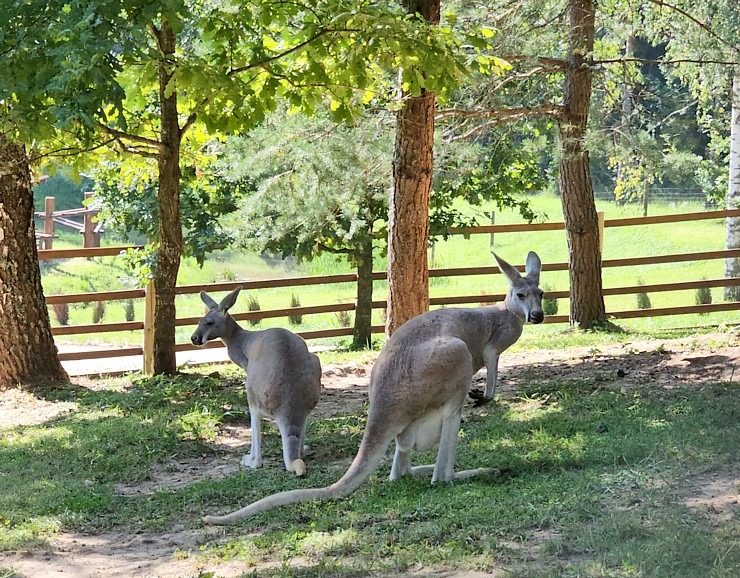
pixel 19 407
pixel 687 363
pixel 120 555
pixel 717 496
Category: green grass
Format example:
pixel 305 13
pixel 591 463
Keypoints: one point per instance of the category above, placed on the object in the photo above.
pixel 594 482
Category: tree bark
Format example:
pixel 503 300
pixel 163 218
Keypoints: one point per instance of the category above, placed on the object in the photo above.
pixel 576 189
pixel 362 336
pixel 27 350
pixel 168 196
pixel 408 222
pixel 732 265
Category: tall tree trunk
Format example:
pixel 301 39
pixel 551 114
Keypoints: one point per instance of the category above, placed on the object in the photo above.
pixel 576 188
pixel 362 336
pixel 408 222
pixel 168 197
pixel 27 350
pixel 732 265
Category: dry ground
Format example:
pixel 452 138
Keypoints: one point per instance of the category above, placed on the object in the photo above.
pixel 668 364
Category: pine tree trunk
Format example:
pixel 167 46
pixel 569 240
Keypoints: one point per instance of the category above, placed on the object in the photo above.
pixel 732 265
pixel 170 228
pixel 576 189
pixel 362 336
pixel 27 350
pixel 408 222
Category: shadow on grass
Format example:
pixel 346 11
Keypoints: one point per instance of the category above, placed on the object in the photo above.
pixel 597 460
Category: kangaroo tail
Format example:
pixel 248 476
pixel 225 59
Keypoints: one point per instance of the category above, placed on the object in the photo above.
pixel 366 461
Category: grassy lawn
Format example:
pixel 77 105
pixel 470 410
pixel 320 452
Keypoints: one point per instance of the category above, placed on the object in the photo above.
pixel 596 479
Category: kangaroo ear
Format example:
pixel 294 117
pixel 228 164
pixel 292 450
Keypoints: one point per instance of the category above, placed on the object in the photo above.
pixel 210 303
pixel 511 274
pixel 533 267
pixel 228 301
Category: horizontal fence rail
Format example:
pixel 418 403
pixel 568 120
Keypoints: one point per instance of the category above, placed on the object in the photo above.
pixel 381 275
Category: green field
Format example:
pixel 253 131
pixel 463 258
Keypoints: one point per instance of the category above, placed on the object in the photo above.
pixel 101 274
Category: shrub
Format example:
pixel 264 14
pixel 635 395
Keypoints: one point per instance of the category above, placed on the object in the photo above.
pixel 703 295
pixel 226 275
pixel 253 304
pixel 295 302
pixel 128 310
pixel 98 312
pixel 343 318
pixel 549 306
pixel 61 312
pixel 643 300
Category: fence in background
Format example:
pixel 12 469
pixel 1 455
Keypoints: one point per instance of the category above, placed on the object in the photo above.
pixel 91 231
pixel 147 294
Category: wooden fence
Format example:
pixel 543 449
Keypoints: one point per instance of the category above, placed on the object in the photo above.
pixel 91 231
pixel 146 323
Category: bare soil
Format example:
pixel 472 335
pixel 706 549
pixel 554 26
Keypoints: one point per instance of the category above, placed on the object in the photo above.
pixel 686 363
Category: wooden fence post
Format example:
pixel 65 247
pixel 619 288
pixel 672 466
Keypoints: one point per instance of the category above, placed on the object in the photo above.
pixel 49 205
pixel 493 222
pixel 89 237
pixel 149 297
pixel 600 217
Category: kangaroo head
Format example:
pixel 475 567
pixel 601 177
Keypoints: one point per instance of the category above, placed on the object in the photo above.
pixel 214 323
pixel 524 298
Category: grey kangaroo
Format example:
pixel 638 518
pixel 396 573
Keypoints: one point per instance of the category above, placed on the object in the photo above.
pixel 283 378
pixel 419 384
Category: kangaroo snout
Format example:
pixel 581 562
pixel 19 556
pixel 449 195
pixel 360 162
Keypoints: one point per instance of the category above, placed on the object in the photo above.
pixel 536 317
pixel 196 340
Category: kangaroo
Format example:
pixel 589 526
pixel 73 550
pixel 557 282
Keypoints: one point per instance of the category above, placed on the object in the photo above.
pixel 283 378
pixel 419 384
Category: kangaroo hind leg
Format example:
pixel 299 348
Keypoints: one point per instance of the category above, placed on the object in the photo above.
pixel 293 433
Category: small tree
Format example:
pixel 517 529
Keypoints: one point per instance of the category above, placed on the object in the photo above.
pixel 549 305
pixel 295 301
pixel 253 304
pixel 130 205
pixel 643 299
pixel 703 295
pixel 323 188
pixel 320 189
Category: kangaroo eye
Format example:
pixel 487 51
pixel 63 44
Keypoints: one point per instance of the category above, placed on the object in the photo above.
pixel 521 296
pixel 208 323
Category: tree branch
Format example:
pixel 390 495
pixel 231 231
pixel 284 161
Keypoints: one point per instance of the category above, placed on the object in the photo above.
pixel 120 135
pixel 525 75
pixel 155 34
pixel 696 21
pixel 676 61
pixel 189 122
pixel 69 151
pixel 498 117
pixel 541 60
pixel 554 110
pixel 264 63
pixel 332 249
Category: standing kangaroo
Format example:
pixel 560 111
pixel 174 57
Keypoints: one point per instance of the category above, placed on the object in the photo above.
pixel 283 378
pixel 419 384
